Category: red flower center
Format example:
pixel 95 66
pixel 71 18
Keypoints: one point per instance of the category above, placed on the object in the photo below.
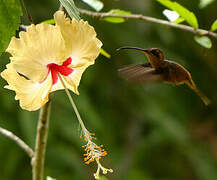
pixel 62 69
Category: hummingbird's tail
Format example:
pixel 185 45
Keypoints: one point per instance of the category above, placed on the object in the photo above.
pixel 203 97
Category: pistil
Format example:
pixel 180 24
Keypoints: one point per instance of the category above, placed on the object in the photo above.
pixel 63 69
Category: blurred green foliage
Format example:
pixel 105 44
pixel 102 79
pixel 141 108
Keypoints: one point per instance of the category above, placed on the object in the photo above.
pixel 151 132
pixel 203 41
pixel 214 26
pixel 12 10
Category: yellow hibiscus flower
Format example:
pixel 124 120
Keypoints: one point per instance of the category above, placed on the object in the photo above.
pixel 43 53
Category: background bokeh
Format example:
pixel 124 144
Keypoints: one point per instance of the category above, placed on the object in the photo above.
pixel 151 132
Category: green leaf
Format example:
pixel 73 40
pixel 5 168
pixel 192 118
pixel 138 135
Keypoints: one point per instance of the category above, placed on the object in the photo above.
pixel 116 19
pixel 104 53
pixel 182 11
pixel 49 21
pixel 214 26
pixel 95 4
pixel 179 20
pixel 10 12
pixel 204 3
pixel 71 9
pixel 167 3
pixel 50 178
pixel 203 41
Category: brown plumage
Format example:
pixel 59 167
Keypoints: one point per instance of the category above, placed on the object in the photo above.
pixel 159 69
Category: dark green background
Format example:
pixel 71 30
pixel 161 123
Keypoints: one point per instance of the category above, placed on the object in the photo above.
pixel 151 132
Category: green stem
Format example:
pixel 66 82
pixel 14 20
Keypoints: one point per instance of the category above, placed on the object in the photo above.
pixel 41 141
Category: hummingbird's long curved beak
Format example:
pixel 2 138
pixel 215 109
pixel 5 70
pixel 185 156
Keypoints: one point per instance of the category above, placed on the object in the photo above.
pixel 146 51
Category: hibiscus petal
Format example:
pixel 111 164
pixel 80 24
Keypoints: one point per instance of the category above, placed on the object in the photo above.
pixel 32 95
pixel 80 40
pixel 40 45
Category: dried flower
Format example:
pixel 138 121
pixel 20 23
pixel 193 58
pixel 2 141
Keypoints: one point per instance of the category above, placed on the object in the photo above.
pixel 43 53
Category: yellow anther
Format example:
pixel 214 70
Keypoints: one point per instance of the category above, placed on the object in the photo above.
pixel 111 170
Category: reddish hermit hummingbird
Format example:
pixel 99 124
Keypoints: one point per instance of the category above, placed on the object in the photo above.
pixel 159 69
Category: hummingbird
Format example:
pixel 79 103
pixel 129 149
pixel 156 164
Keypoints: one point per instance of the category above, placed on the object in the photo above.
pixel 159 69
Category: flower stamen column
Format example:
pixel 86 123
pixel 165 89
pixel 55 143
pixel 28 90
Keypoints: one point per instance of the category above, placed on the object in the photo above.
pixel 94 152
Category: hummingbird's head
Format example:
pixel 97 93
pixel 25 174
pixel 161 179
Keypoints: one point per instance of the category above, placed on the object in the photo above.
pixel 155 52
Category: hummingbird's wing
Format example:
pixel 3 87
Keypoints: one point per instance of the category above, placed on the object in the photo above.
pixel 139 73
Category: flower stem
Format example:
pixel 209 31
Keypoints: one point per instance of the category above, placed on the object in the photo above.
pixel 41 141
pixel 85 131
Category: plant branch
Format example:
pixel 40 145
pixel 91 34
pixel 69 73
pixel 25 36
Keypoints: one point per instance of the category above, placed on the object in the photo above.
pixel 102 15
pixel 41 142
pixel 18 141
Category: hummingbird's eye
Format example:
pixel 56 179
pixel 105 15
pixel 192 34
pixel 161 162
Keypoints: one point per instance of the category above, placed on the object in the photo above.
pixel 155 52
